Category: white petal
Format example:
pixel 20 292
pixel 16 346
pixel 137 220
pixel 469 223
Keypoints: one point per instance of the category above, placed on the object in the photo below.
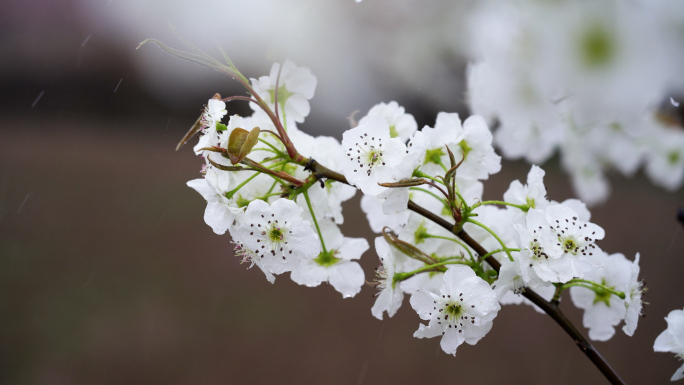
pixel 451 340
pixel 309 273
pixel 347 278
pixel 423 302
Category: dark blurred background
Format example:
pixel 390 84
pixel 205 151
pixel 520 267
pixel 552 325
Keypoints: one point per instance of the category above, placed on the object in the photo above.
pixel 108 274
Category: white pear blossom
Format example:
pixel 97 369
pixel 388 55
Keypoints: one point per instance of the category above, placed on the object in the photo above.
pixel 212 114
pixel 336 266
pixel 564 255
pixel 297 85
pixel 276 234
pixel 396 198
pixel 476 149
pixel 448 131
pixel 390 296
pixel 540 254
pixel 633 302
pixel 372 156
pixel 401 124
pixel 533 194
pixel 220 212
pixel 575 236
pixel 672 340
pixel 602 309
pixel 665 162
pixel 463 310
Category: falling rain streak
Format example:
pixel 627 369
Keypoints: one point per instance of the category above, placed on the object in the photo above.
pixel 117 85
pixel 40 95
pixel 22 203
pixel 85 41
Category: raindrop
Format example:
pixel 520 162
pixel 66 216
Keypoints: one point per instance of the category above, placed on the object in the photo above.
pixel 674 102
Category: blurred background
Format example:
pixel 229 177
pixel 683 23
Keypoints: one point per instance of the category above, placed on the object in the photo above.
pixel 108 274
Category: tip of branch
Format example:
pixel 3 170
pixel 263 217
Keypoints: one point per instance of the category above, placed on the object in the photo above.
pixel 143 43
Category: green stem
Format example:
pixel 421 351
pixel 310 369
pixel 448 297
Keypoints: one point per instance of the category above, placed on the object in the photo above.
pixel 556 295
pixel 503 245
pixel 270 195
pixel 592 285
pixel 281 163
pixel 398 277
pixel 313 215
pixel 467 208
pixel 272 147
pixel 278 175
pixel 521 207
pixel 268 150
pixel 232 192
pixel 421 174
pixel 431 193
pixel 496 251
pixel 427 235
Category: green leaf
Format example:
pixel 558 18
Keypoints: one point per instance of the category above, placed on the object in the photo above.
pixel 241 142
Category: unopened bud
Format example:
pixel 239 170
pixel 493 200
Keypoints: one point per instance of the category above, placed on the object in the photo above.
pixel 405 183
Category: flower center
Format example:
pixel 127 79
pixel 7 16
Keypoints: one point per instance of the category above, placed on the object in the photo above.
pixel 368 153
pixel 453 313
pixel 275 234
pixel 381 277
pixel 452 310
pixel 570 246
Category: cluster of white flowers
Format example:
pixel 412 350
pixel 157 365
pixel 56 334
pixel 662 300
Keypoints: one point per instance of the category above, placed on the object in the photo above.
pixel 278 235
pixel 583 77
pixel 275 189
